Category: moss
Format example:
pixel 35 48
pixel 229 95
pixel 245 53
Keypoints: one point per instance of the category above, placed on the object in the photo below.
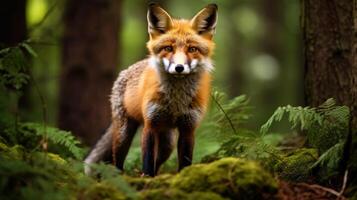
pixel 230 177
pixel 140 183
pixel 14 152
pixel 296 165
pixel 176 194
pixel 103 190
pixel 3 146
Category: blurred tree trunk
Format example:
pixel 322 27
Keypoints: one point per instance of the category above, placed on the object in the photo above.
pixel 234 74
pixel 13 22
pixel 14 31
pixel 271 44
pixel 330 34
pixel 89 61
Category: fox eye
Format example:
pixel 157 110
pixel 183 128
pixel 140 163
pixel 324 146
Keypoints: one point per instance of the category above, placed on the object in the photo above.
pixel 192 49
pixel 168 48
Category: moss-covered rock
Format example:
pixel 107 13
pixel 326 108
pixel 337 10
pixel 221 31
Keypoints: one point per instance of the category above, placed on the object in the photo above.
pixel 142 183
pixel 14 152
pixel 296 165
pixel 176 194
pixel 101 191
pixel 230 177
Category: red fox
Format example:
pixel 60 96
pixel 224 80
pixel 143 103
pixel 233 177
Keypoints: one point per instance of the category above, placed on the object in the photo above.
pixel 167 91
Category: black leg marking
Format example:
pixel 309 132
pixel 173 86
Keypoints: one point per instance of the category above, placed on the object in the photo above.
pixel 148 149
pixel 165 147
pixel 186 140
pixel 126 138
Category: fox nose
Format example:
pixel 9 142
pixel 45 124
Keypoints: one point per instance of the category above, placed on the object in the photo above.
pixel 179 68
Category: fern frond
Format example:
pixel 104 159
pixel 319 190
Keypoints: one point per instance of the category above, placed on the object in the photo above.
pixel 230 115
pixel 331 157
pixel 303 116
pixel 57 136
pixel 14 65
pixel 329 162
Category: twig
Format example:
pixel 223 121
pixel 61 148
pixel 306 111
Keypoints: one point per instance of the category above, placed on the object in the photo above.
pixel 44 113
pixel 343 184
pixel 225 114
pixel 329 190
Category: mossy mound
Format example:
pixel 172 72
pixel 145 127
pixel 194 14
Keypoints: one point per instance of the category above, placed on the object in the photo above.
pixel 296 166
pixel 15 152
pixel 230 177
pixel 176 194
pixel 46 174
pixel 142 183
pixel 41 175
pixel 103 190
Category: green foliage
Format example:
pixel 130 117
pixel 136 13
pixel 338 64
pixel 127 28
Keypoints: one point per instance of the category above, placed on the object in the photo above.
pixel 14 65
pixel 295 165
pixel 32 135
pixel 64 139
pixel 14 74
pixel 306 117
pixel 326 128
pixel 253 147
pixel 41 175
pixel 228 116
pixel 329 163
pixel 325 125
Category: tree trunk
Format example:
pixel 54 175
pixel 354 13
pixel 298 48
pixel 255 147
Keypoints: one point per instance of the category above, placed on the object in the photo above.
pixel 330 34
pixel 328 38
pixel 89 61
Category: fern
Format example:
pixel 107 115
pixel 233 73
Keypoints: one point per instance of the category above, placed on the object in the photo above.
pixel 14 64
pixel 329 162
pixel 303 116
pixel 37 175
pixel 325 125
pixel 326 128
pixel 229 116
pixel 57 137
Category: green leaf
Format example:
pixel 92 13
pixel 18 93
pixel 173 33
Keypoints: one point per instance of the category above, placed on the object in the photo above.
pixel 29 49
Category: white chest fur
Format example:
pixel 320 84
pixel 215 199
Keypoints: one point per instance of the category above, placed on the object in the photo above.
pixel 176 96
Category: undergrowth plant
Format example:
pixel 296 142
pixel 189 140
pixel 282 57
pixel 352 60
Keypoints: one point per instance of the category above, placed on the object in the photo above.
pixel 326 128
pixel 228 119
pixel 42 162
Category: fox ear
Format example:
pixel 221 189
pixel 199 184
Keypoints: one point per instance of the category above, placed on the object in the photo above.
pixel 205 21
pixel 159 21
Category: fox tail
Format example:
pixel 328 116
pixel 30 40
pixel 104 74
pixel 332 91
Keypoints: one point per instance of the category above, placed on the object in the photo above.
pixel 100 152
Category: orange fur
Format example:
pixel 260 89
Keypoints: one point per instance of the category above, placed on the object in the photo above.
pixel 168 91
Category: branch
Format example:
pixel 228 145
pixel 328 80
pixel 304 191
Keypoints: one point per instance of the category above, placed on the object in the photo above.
pixel 224 113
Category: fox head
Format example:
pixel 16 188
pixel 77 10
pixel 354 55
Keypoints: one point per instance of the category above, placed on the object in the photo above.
pixel 179 46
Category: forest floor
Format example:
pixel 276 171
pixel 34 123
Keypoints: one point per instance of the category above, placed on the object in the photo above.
pixel 43 175
pixel 43 162
pixel 304 191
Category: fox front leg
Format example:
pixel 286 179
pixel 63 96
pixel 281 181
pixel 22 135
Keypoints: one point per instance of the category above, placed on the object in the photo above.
pixel 186 125
pixel 149 151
